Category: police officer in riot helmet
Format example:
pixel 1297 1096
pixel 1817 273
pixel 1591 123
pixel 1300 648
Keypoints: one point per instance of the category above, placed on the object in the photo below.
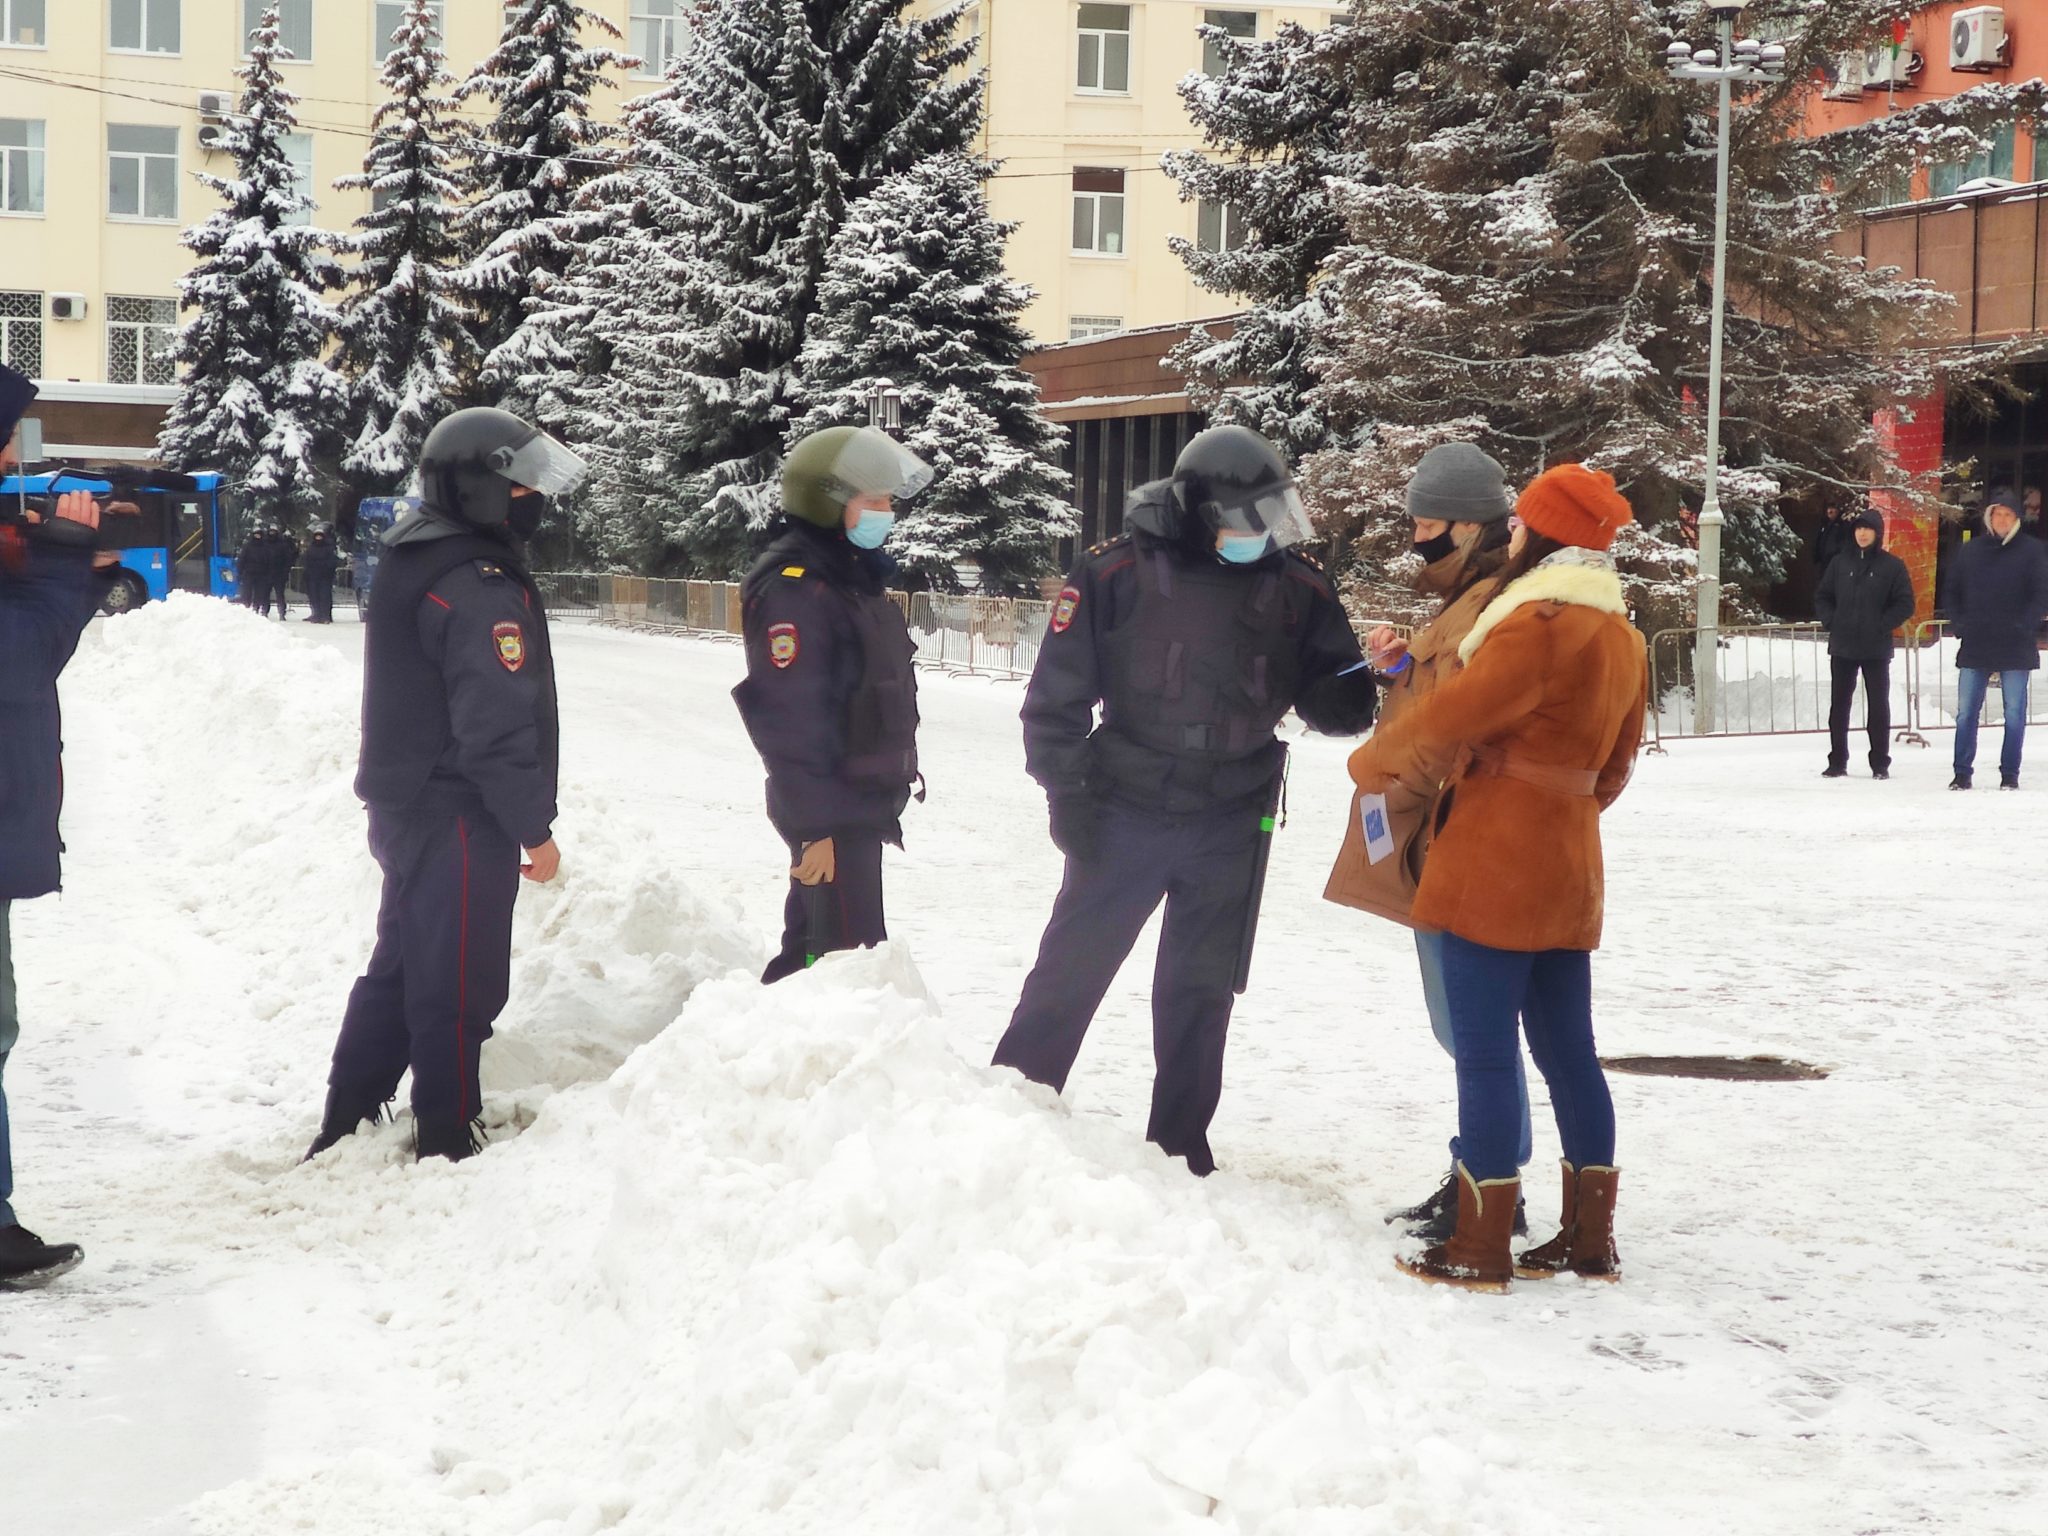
pixel 320 562
pixel 1194 633
pixel 458 770
pixel 830 696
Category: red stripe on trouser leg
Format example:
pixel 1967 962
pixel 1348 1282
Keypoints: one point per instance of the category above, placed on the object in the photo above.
pixel 462 977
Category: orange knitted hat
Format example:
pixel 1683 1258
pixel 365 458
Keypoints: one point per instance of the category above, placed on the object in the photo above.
pixel 1575 505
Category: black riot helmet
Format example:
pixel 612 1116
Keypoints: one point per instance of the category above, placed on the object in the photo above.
pixel 472 459
pixel 1231 481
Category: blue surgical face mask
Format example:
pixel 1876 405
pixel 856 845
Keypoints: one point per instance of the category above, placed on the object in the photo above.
pixel 1244 551
pixel 871 529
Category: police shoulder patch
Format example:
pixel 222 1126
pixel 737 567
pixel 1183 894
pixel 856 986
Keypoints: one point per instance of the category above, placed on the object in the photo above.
pixel 510 642
pixel 783 646
pixel 1063 610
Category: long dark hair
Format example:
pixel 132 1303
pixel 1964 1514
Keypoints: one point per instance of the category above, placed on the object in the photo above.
pixel 1536 548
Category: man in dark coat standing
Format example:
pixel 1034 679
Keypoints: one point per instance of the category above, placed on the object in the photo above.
pixel 50 587
pixel 252 571
pixel 460 738
pixel 1832 538
pixel 1865 593
pixel 830 696
pixel 322 560
pixel 1194 634
pixel 1997 602
pixel 284 554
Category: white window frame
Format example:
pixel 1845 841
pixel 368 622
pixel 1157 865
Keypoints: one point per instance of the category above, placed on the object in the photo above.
pixel 38 145
pixel 143 328
pixel 302 173
pixel 143 158
pixel 380 36
pixel 1209 15
pixel 1097 202
pixel 1090 327
pixel 1229 225
pixel 142 10
pixel 312 29
pixel 674 28
pixel 1101 36
pixel 7 25
pixel 9 322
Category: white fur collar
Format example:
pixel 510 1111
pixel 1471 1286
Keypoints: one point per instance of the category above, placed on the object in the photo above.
pixel 1583 586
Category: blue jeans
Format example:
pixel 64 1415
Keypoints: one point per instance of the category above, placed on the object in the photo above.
pixel 1976 682
pixel 10 1031
pixel 1551 993
pixel 1429 949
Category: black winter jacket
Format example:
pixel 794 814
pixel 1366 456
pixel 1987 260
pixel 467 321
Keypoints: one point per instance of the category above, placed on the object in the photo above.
pixel 1863 596
pixel 1997 600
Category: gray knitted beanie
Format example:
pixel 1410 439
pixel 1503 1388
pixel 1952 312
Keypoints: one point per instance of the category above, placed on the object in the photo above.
pixel 1459 483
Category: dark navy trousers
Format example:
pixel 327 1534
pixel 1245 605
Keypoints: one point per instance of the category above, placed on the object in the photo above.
pixel 847 914
pixel 442 965
pixel 1202 869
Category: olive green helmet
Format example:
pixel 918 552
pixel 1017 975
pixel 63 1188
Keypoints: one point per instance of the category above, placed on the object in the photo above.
pixel 828 469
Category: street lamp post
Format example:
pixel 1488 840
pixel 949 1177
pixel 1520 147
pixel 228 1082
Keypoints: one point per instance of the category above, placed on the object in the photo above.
pixel 885 406
pixel 1747 61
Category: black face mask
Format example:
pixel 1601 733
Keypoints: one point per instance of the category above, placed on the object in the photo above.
pixel 526 515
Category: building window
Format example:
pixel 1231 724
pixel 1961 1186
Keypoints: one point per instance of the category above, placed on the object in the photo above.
pixel 1081 327
pixel 21 24
pixel 660 29
pixel 142 172
pixel 141 334
pixel 1946 180
pixel 1219 226
pixel 21 165
pixel 21 332
pixel 143 26
pixel 391 12
pixel 294 25
pixel 1105 50
pixel 298 148
pixel 1243 25
pixel 1099 212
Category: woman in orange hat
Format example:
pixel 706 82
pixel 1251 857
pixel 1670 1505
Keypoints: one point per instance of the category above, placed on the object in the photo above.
pixel 1546 716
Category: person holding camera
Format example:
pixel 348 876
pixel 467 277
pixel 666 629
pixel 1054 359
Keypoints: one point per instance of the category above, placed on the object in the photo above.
pixel 50 587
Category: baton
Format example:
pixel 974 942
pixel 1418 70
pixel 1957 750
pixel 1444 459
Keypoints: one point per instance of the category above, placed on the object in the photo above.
pixel 1270 812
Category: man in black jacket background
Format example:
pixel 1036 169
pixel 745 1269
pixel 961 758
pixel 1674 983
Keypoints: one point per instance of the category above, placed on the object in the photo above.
pixel 1997 600
pixel 1865 593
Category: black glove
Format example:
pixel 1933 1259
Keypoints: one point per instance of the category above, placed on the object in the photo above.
pixel 1076 826
pixel 1340 706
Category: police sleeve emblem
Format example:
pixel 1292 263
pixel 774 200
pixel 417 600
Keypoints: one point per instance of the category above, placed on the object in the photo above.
pixel 1063 610
pixel 510 640
pixel 782 646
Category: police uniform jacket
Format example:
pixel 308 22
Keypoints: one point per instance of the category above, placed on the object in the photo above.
pixel 459 708
pixel 1193 664
pixel 830 696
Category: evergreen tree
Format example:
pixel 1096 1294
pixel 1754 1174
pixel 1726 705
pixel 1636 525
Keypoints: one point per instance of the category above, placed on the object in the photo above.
pixel 796 109
pixel 914 292
pixel 257 403
pixel 542 147
pixel 404 342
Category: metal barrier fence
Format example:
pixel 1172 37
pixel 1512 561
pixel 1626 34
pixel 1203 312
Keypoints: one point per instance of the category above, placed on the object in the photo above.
pixel 1936 685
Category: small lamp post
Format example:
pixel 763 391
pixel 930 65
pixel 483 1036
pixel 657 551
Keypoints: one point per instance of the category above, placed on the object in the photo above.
pixel 885 406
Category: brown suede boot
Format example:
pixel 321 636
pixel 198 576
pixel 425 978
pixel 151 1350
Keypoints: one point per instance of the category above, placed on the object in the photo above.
pixel 1585 1240
pixel 1476 1256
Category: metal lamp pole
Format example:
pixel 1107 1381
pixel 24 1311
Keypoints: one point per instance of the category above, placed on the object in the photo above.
pixel 1748 61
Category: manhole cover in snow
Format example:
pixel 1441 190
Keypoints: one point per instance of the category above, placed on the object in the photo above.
pixel 1738 1069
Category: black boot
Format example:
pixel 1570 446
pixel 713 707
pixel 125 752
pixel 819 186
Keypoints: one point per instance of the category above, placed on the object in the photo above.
pixel 345 1115
pixel 1960 781
pixel 452 1139
pixel 1436 1218
pixel 26 1261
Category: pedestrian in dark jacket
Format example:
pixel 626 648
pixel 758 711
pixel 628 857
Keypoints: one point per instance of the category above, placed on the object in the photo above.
pixel 252 570
pixel 830 696
pixel 1194 634
pixel 1864 595
pixel 322 560
pixel 1834 536
pixel 284 555
pixel 50 587
pixel 1997 602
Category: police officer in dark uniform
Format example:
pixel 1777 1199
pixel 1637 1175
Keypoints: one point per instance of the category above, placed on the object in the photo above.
pixel 830 696
pixel 1195 633
pixel 322 560
pixel 458 770
pixel 252 571
pixel 284 554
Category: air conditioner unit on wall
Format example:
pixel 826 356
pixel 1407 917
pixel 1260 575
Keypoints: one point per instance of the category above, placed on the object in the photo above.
pixel 214 106
pixel 1977 38
pixel 212 136
pixel 67 306
pixel 1844 73
pixel 1885 65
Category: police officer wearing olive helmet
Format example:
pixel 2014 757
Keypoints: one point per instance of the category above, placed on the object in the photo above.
pixel 1193 634
pixel 830 696
pixel 458 769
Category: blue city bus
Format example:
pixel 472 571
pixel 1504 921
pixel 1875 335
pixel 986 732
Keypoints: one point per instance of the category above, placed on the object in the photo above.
pixel 174 533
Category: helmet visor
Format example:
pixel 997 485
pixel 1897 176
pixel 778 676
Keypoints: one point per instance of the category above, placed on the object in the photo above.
pixel 541 464
pixel 874 464
pixel 1277 512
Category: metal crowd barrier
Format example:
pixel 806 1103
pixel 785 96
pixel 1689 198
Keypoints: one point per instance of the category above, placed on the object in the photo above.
pixel 1936 685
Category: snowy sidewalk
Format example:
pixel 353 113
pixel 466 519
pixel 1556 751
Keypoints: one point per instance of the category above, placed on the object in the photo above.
pixel 797 1261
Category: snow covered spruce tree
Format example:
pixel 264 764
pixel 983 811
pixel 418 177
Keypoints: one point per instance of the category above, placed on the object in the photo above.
pixel 404 342
pixel 1527 204
pixel 914 292
pixel 257 402
pixel 524 223
pixel 795 110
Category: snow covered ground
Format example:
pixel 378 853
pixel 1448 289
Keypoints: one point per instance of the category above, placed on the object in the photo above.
pixel 797 1260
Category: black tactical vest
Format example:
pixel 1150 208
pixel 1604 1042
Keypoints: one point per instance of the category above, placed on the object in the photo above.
pixel 881 716
pixel 1209 661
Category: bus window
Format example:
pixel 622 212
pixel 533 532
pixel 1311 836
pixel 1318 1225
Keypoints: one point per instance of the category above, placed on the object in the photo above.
pixel 229 519
pixel 146 527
